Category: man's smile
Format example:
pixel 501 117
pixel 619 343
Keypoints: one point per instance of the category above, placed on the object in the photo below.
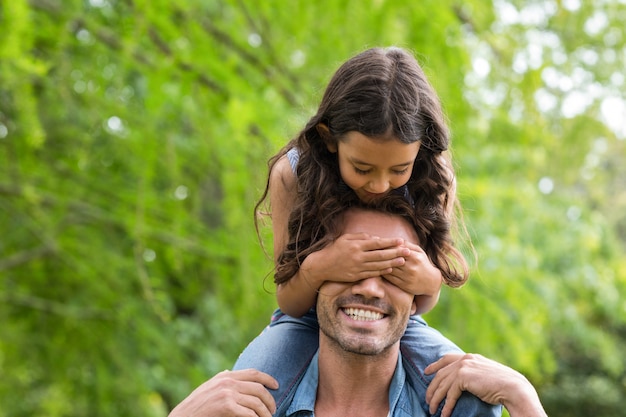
pixel 360 314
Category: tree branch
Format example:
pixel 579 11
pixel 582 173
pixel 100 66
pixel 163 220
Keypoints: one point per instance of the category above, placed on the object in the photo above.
pixel 54 307
pixel 253 60
pixel 25 256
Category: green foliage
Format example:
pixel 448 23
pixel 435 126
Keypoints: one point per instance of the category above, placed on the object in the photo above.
pixel 133 144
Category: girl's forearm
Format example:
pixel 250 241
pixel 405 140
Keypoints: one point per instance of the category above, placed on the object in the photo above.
pixel 428 299
pixel 425 303
pixel 298 295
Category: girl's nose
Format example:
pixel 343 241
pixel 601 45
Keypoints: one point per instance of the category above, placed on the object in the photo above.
pixel 379 185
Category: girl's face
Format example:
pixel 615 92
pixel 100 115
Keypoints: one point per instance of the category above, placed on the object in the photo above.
pixel 373 167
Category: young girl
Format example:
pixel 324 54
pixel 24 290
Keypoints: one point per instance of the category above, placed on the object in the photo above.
pixel 379 130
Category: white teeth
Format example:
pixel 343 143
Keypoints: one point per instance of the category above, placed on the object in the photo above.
pixel 362 315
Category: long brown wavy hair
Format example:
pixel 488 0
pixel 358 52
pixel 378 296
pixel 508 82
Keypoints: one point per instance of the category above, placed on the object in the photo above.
pixel 378 92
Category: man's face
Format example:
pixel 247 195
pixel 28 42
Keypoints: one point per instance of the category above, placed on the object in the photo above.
pixel 368 316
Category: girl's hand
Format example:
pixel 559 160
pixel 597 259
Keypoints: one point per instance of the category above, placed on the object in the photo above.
pixel 418 275
pixel 350 258
pixel 353 257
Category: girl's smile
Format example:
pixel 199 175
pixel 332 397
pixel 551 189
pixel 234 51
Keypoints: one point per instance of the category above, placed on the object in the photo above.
pixel 374 166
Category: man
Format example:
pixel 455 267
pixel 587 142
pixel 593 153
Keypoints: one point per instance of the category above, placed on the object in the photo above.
pixel 358 369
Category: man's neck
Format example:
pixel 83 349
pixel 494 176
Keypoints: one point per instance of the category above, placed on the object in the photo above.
pixel 352 384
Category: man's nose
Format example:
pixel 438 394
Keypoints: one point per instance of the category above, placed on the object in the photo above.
pixel 369 287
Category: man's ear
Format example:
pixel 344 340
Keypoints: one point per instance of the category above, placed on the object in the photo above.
pixel 327 137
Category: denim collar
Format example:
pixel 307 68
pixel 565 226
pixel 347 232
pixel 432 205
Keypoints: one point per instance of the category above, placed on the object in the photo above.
pixel 304 399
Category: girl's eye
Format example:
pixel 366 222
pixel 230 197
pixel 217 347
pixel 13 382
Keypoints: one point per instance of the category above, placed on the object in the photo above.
pixel 401 172
pixel 362 171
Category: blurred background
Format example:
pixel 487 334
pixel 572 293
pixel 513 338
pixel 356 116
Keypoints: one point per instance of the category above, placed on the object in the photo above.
pixel 134 138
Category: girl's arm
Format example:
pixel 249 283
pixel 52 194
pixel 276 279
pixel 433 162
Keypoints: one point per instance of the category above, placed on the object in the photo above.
pixel 282 198
pixel 296 296
pixel 425 303
pixel 349 258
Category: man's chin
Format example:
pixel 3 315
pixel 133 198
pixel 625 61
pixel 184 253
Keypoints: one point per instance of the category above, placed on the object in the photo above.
pixel 365 346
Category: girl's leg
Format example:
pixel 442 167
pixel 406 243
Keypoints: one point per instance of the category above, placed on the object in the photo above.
pixel 283 350
pixel 422 345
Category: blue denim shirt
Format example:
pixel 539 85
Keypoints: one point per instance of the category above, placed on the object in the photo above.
pixel 273 352
pixel 403 401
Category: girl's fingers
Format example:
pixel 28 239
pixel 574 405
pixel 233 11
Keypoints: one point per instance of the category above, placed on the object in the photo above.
pixel 386 255
pixel 374 244
pixel 369 242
